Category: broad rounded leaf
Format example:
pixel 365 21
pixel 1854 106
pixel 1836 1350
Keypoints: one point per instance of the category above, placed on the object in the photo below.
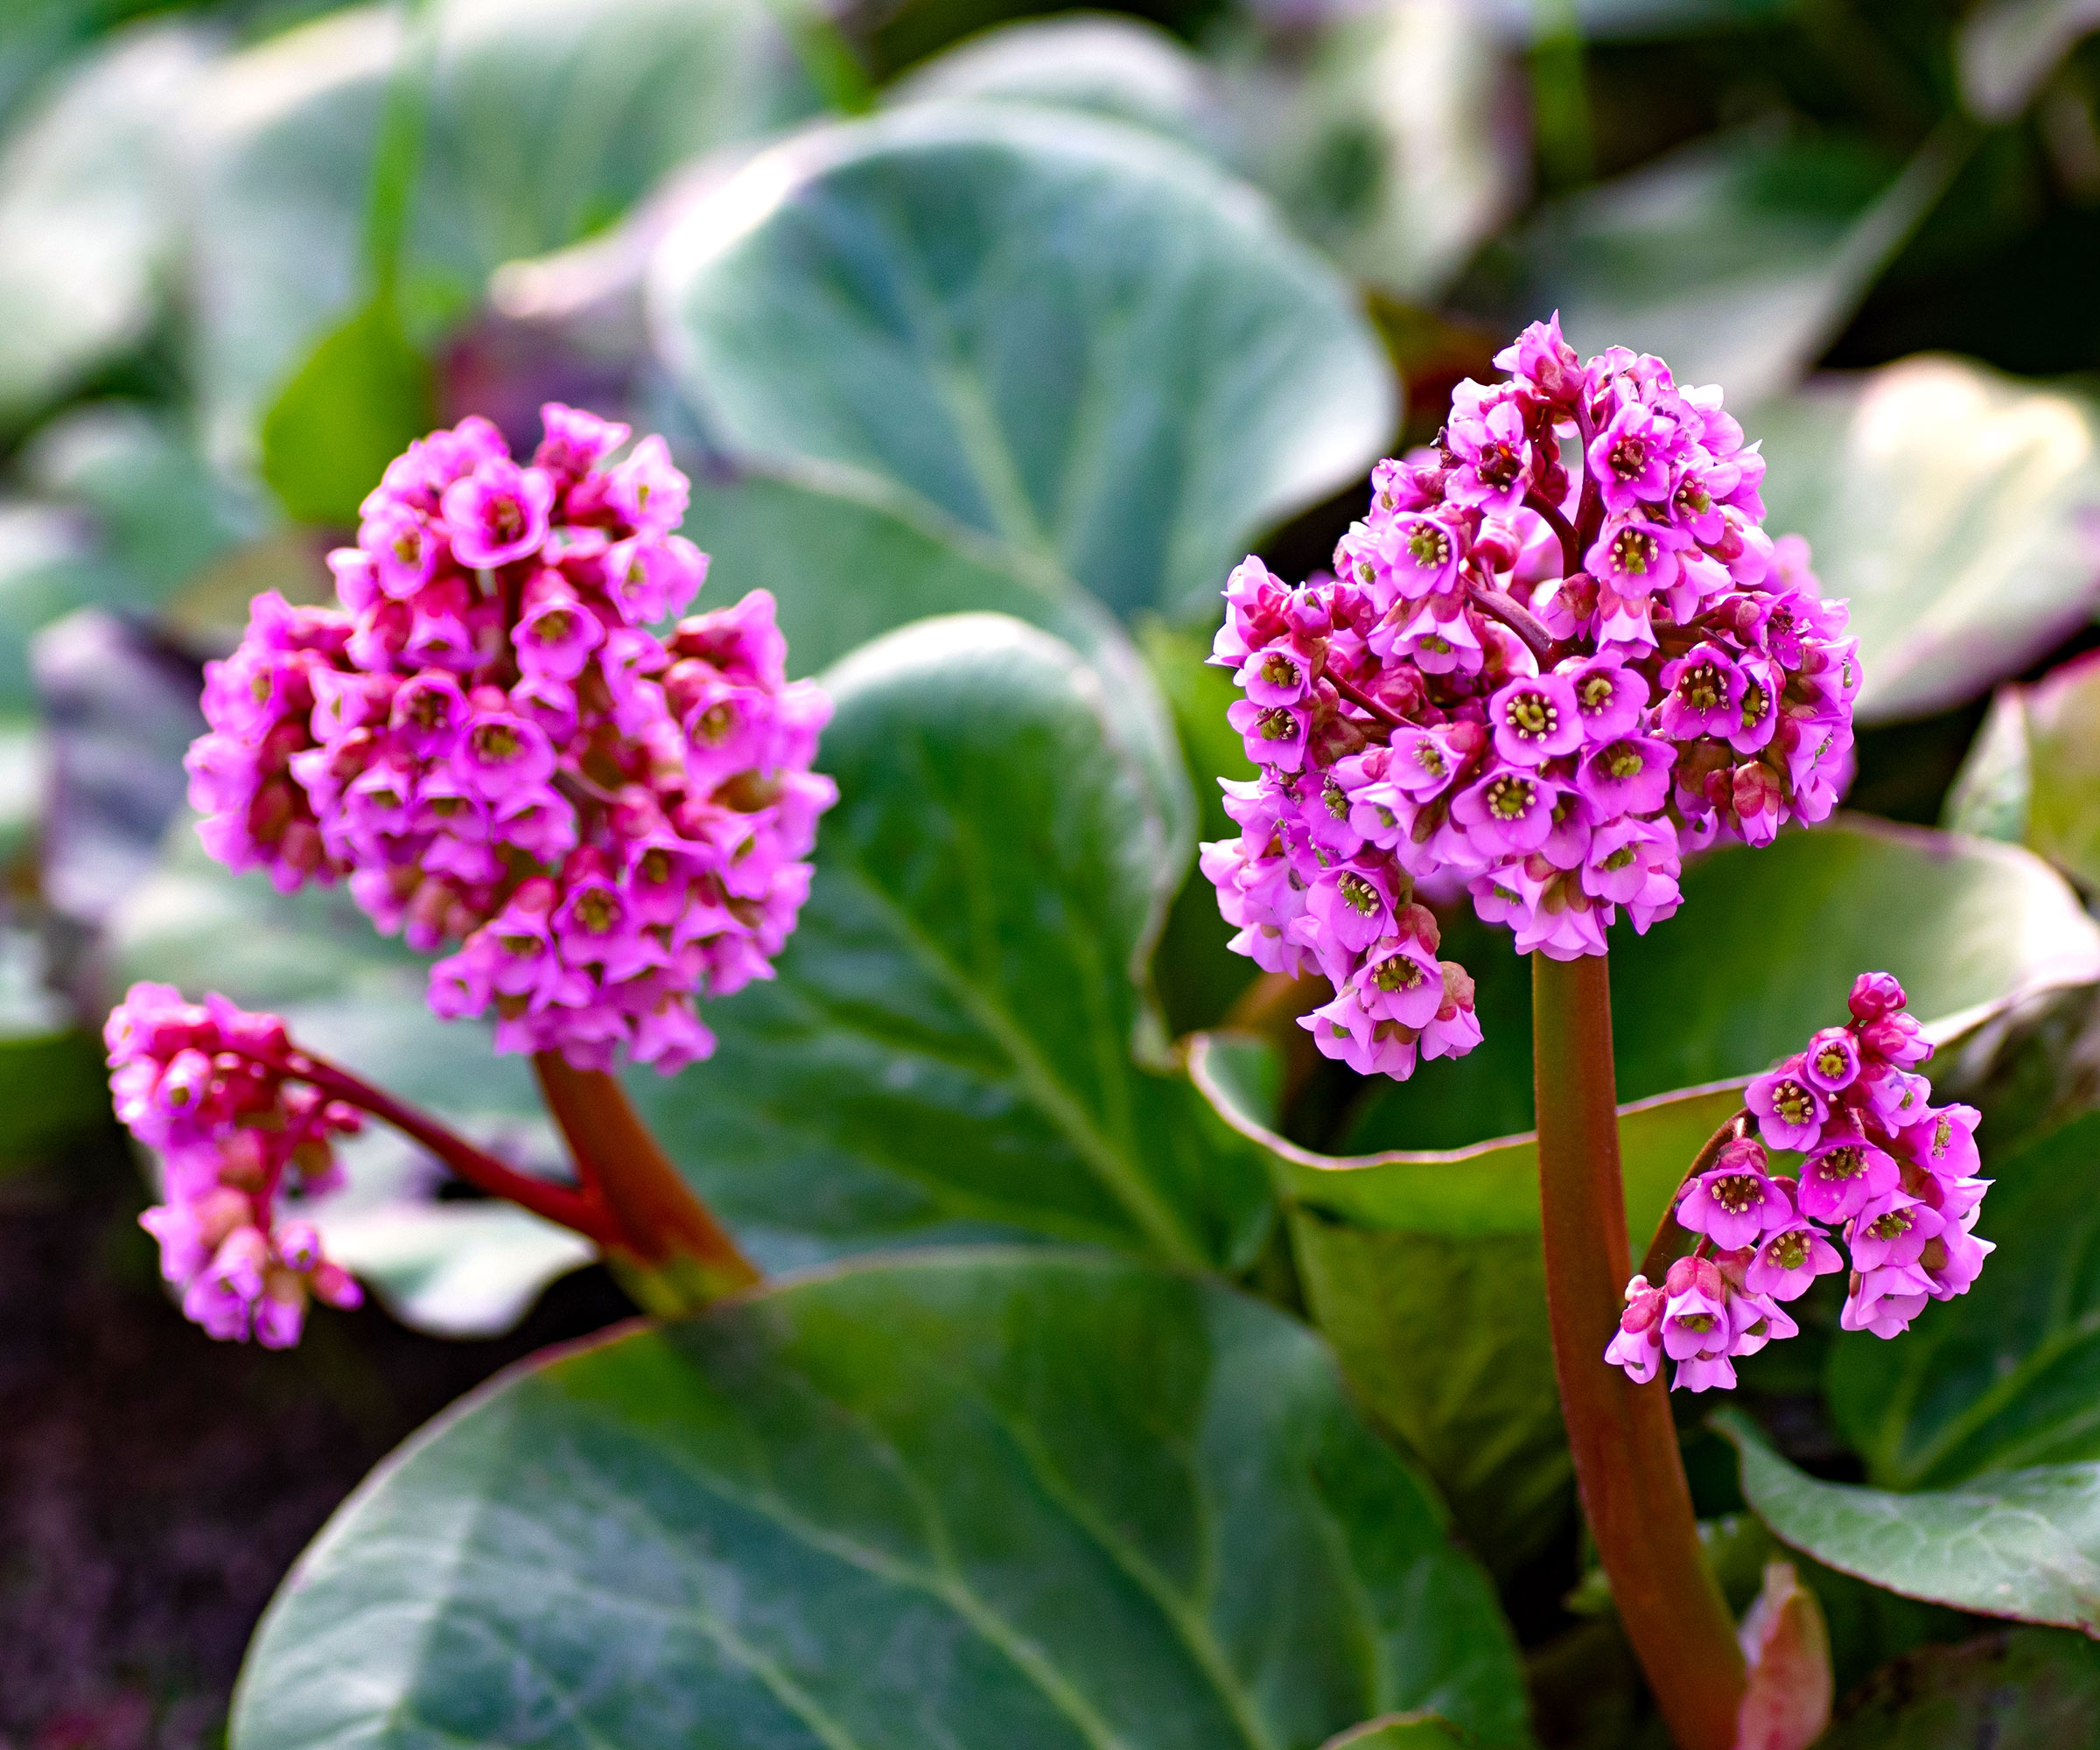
pixel 2008 1375
pixel 546 119
pixel 88 214
pixel 2021 1543
pixel 1738 259
pixel 1992 792
pixel 2027 1689
pixel 2032 776
pixel 949 1041
pixel 2007 48
pixel 1392 142
pixel 1122 68
pixel 1061 331
pixel 1008 1500
pixel 1425 1271
pixel 1954 508
pixel 1401 1732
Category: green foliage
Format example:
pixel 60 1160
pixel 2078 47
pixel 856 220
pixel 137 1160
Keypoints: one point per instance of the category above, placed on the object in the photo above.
pixel 1043 326
pixel 988 1499
pixel 950 1037
pixel 2022 1543
pixel 362 395
pixel 1952 507
pixel 2028 1689
pixel 2002 1377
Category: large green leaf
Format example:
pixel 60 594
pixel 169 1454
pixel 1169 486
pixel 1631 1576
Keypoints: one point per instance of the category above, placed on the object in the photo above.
pixel 2007 48
pixel 546 119
pixel 1059 330
pixel 1738 259
pixel 2008 1375
pixel 88 213
pixel 1389 139
pixel 2033 775
pixel 950 1037
pixel 1762 954
pixel 1953 508
pixel 1425 1271
pixel 2022 1543
pixel 1123 69
pixel 994 1499
pixel 1424 1266
pixel 2027 1689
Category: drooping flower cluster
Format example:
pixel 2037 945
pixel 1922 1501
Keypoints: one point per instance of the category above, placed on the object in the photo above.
pixel 1891 1173
pixel 1559 654
pixel 493 746
pixel 198 1083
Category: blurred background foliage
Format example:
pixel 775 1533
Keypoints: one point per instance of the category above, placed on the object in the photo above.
pixel 951 304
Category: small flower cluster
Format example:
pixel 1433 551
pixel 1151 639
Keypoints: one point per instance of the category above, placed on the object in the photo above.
pixel 1559 654
pixel 203 1085
pixel 493 746
pixel 1894 1173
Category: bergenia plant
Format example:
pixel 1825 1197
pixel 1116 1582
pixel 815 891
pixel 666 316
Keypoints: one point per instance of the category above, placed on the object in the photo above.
pixel 1558 656
pixel 504 746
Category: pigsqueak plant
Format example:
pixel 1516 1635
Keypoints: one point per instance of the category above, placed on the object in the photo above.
pixel 1558 656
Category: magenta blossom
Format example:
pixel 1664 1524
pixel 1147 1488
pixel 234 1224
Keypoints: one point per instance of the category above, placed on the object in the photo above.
pixel 1558 653
pixel 1898 1174
pixel 492 725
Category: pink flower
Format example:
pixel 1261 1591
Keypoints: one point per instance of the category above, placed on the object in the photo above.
pixel 497 513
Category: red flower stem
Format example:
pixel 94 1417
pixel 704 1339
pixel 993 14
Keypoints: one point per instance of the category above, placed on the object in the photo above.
pixel 661 1221
pixel 1627 1468
pixel 1520 620
pixel 581 1210
pixel 1364 702
pixel 1571 546
pixel 1663 1250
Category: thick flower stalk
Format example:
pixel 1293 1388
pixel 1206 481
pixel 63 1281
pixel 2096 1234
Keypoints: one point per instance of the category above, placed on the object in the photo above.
pixel 1884 1172
pixel 238 1139
pixel 1559 654
pixel 491 741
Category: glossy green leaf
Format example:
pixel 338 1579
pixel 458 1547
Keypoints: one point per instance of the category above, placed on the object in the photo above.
pixel 950 1038
pixel 2021 1543
pixel 1424 1266
pixel 2008 1375
pixel 1992 793
pixel 2007 48
pixel 1121 68
pixel 1401 1732
pixel 88 213
pixel 1061 331
pixel 1391 141
pixel 357 402
pixel 1953 508
pixel 849 556
pixel 2027 1689
pixel 2033 775
pixel 1761 954
pixel 993 1499
pixel 1738 258
pixel 546 119
pixel 1425 1271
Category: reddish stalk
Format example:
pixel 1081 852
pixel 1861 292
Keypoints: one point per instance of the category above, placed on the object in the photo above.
pixel 1570 546
pixel 569 1207
pixel 1364 702
pixel 1518 618
pixel 1663 1250
pixel 1627 1468
pixel 689 1257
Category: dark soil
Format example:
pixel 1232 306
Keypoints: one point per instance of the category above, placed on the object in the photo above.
pixel 154 1485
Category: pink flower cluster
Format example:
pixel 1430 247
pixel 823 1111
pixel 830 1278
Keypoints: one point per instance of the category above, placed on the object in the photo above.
pixel 1893 1173
pixel 1559 654
pixel 201 1084
pixel 491 743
